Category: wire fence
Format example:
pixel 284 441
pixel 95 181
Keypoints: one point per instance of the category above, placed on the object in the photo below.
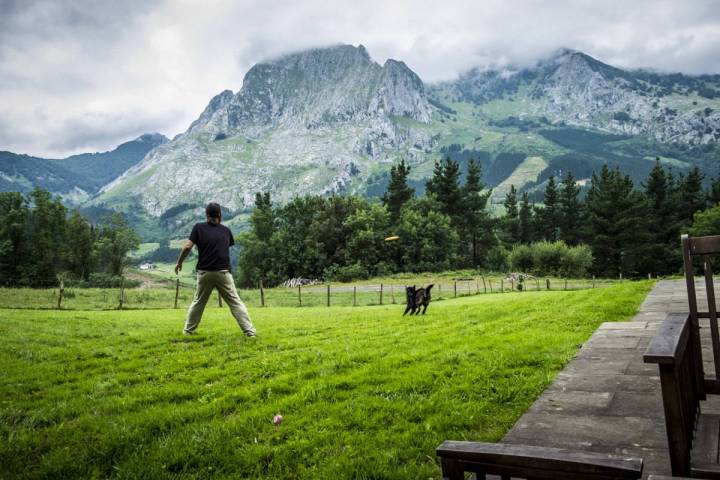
pixel 180 295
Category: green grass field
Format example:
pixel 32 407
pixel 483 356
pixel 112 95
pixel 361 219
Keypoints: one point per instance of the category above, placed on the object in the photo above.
pixel 365 392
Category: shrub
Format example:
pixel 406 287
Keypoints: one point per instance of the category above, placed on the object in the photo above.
pixel 548 257
pixel 497 259
pixel 521 258
pixel 577 261
pixel 345 273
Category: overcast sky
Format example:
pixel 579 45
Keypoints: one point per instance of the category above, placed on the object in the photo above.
pixel 80 76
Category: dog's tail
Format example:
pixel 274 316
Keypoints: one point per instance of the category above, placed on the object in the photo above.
pixel 429 287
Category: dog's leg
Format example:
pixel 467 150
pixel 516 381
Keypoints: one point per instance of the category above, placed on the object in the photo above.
pixel 425 308
pixel 407 309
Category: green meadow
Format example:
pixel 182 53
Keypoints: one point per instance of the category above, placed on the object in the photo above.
pixel 365 392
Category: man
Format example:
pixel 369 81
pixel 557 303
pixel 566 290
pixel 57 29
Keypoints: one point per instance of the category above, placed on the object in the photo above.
pixel 213 270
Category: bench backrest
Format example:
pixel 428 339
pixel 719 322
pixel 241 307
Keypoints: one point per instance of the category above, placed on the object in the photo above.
pixel 704 247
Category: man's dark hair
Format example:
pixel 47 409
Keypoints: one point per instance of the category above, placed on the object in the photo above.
pixel 213 210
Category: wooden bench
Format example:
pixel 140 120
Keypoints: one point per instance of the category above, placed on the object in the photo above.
pixel 523 461
pixel 693 436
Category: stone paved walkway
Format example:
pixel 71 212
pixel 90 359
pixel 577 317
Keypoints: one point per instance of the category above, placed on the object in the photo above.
pixel 606 399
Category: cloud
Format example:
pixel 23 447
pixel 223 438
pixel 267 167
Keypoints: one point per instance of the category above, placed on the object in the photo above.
pixel 88 75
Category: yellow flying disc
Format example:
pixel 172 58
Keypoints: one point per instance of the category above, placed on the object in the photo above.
pixel 390 239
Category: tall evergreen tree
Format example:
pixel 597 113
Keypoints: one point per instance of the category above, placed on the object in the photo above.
pixel 13 220
pixel 570 210
pixel 617 224
pixel 663 237
pixel 525 220
pixel 477 225
pixel 551 212
pixel 398 191
pixel 692 198
pixel 714 192
pixel 511 221
pixel 444 186
pixel 263 217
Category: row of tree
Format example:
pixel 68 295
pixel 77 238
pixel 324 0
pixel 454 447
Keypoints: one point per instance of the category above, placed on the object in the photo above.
pixel 630 231
pixel 41 241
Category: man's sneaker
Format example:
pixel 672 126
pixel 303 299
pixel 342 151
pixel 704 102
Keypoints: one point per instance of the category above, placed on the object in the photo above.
pixel 185 332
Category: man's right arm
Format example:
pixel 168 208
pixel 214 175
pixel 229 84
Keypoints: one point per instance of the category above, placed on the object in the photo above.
pixel 183 254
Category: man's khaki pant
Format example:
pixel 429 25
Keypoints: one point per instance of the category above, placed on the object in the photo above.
pixel 207 281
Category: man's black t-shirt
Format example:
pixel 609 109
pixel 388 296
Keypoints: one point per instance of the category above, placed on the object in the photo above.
pixel 213 242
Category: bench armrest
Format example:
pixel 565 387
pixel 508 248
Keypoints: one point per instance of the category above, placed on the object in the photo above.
pixel 537 462
pixel 669 343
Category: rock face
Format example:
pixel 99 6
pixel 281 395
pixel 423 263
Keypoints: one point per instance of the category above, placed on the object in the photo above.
pixel 578 90
pixel 332 120
pixel 312 122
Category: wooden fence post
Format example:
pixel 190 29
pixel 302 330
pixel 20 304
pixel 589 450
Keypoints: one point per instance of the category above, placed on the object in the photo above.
pixel 61 292
pixel 392 293
pixel 502 285
pixel 177 291
pixel 547 283
pixel 122 292
pixel 537 284
pixel 593 281
pixel 299 295
pixel 439 291
pixel 455 289
pixel 381 293
pixel 262 294
pixel 354 295
pixel 512 284
pixel 477 287
pixel 485 286
pixel 565 284
pixel 328 294
pixel 490 283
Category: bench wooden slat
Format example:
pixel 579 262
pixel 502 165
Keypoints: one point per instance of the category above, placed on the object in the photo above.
pixel 669 343
pixel 704 245
pixel 538 462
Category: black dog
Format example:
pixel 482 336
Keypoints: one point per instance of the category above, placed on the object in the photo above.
pixel 416 298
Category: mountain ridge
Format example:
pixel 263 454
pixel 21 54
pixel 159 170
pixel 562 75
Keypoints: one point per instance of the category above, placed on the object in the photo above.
pixel 77 177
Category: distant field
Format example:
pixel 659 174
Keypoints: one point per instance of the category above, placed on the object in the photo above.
pixel 365 392
pixel 359 293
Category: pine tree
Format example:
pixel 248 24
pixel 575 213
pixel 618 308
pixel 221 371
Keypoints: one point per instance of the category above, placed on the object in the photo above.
pixel 477 231
pixel 511 221
pixel 692 198
pixel 525 220
pixel 662 247
pixel 445 187
pixel 616 223
pixel 570 210
pixel 714 192
pixel 263 217
pixel 551 212
pixel 398 191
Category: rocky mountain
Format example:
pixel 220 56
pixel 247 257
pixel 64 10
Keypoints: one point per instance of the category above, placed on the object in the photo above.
pixel 577 89
pixel 77 177
pixel 332 120
pixel 319 121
